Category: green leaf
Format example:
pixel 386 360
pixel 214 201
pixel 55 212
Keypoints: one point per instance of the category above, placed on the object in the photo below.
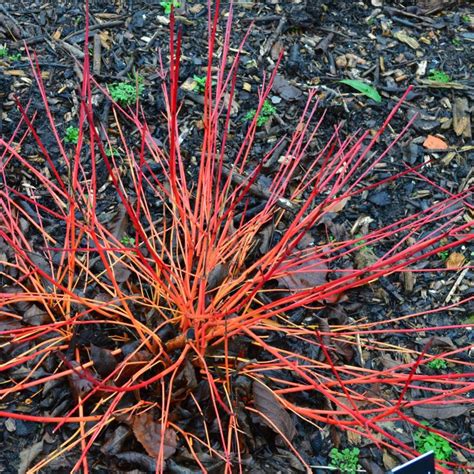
pixel 363 87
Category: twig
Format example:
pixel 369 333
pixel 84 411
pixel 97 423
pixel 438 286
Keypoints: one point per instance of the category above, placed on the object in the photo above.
pixel 78 36
pixel 271 40
pixel 96 63
pixel 457 283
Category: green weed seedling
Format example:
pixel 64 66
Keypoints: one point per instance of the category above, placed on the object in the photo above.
pixel 267 111
pixel 112 152
pixel 11 57
pixel 72 135
pixel 443 255
pixel 437 364
pixel 168 5
pixel 126 93
pixel 200 86
pixel 426 441
pixel 128 241
pixel 439 76
pixel 346 461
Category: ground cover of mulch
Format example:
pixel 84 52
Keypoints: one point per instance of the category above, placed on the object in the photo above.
pixel 390 44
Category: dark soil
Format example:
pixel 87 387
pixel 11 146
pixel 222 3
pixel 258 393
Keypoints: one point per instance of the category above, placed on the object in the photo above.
pixel 324 42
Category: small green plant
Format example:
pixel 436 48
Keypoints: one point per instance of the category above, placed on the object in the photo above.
pixel 200 83
pixel 126 93
pixel 437 364
pixel 265 113
pixel 167 5
pixel 439 76
pixel 127 240
pixel 72 135
pixel 112 152
pixel 466 19
pixel 426 441
pixel 443 255
pixel 11 57
pixel 456 42
pixel 346 461
pixel 362 243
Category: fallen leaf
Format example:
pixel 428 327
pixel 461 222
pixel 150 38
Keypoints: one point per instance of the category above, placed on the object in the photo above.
pixel 138 460
pixel 434 143
pixel 7 325
pixel 440 412
pixel 115 441
pixel 364 88
pixel 105 39
pixel 371 466
pixel 234 105
pixel 79 380
pixel 134 363
pixel 104 360
pixel 28 454
pixel 217 276
pixel 285 90
pixel 35 316
pixel 455 261
pixel 389 461
pixel 354 438
pixel 309 274
pixel 273 414
pixel 189 84
pixel 149 433
pixel 338 205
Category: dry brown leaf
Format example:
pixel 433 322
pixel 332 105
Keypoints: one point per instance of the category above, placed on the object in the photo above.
pixel 79 380
pixel 285 90
pixel 189 85
pixel 217 276
pixel 35 316
pixel 389 461
pixel 105 39
pixel 354 438
pixel 9 325
pixel 440 412
pixel 309 274
pixel 273 414
pixel 149 433
pixel 434 143
pixel 104 360
pixel 337 206
pixel 455 261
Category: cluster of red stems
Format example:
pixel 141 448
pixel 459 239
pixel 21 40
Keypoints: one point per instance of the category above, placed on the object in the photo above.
pixel 173 256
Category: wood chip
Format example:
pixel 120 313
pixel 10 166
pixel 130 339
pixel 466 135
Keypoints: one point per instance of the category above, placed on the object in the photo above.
pixel 461 118
pixel 405 38
pixel 434 143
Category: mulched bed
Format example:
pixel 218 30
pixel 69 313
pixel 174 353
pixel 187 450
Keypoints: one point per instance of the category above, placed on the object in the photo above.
pixel 392 46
